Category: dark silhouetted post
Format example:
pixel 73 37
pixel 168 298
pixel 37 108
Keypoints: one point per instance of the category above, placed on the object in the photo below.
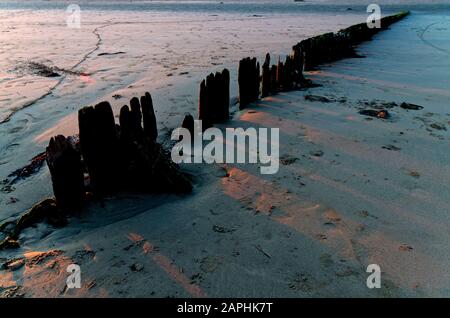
pixel 64 163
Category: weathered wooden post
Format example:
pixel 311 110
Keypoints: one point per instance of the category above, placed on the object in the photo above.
pixel 202 101
pixel 298 65
pixel 255 80
pixel 99 145
pixel 64 163
pixel 211 97
pixel 273 80
pixel 214 99
pixel 243 82
pixel 265 85
pixel 149 117
pixel 249 81
pixel 225 95
pixel 280 70
pixel 288 74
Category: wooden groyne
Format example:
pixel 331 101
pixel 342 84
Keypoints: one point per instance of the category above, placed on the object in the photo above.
pixel 109 157
pixel 331 47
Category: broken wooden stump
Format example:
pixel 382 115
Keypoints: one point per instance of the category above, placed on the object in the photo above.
pixel 148 116
pixel 214 98
pixel 64 163
pixel 248 81
pixel 383 114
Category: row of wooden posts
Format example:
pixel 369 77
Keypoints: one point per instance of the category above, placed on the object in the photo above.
pixel 109 157
pixel 214 98
pixel 282 76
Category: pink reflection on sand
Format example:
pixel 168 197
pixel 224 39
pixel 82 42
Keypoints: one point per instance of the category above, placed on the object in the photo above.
pixel 167 265
pixel 67 126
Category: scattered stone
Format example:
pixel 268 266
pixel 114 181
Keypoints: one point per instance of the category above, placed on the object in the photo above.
pixel 414 174
pixel 383 114
pixel 411 106
pixel 136 267
pixel 316 98
pixel 391 147
pixel 317 153
pixel 12 200
pixel 287 160
pixel 221 229
pixel 9 243
pixel 83 256
pixel 405 248
pixel 14 264
pixel 438 126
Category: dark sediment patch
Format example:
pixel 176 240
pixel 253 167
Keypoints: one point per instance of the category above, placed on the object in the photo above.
pixel 411 106
pixel 383 114
pixel 316 98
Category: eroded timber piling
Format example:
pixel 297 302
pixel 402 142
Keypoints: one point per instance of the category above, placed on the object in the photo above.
pixel 214 99
pixel 249 81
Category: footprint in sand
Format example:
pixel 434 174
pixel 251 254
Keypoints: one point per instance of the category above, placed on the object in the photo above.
pixel 405 248
pixel 365 214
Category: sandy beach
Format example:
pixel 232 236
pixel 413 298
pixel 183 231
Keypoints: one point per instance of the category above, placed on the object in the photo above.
pixel 351 190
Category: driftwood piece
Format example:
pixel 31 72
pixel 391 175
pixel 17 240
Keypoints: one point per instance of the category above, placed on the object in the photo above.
pixel 66 171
